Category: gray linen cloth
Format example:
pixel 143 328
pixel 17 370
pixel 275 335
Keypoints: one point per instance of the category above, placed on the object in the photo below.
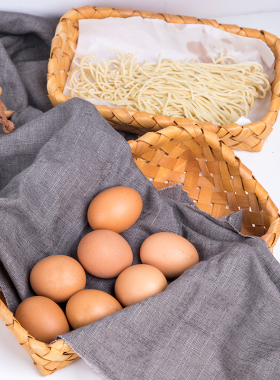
pixel 219 320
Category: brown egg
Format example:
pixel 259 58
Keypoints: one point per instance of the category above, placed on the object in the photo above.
pixel 42 318
pixel 104 253
pixel 115 209
pixel 88 306
pixel 172 254
pixel 57 277
pixel 138 282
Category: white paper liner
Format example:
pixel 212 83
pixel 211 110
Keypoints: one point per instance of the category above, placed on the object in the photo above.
pixel 149 38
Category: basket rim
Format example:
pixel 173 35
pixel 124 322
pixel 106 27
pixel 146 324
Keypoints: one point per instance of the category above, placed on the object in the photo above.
pixel 55 78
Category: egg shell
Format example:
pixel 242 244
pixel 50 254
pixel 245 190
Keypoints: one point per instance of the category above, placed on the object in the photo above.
pixel 57 277
pixel 88 306
pixel 139 282
pixel 104 253
pixel 172 254
pixel 42 318
pixel 115 209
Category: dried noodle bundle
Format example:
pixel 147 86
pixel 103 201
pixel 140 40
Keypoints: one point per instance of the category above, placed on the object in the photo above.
pixel 216 92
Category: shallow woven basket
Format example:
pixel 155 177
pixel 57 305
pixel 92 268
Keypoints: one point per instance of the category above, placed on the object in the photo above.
pixel 250 137
pixel 215 179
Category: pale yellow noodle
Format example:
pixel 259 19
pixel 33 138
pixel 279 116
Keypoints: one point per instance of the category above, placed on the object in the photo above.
pixel 219 92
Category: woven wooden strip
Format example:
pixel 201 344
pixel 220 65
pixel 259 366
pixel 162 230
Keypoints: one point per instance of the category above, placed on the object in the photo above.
pixel 212 175
pixel 250 137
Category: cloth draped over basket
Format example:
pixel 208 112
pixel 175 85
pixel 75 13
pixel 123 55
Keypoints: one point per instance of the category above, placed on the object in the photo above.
pixel 219 320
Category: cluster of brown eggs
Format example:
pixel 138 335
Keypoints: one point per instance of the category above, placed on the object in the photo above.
pixel 103 253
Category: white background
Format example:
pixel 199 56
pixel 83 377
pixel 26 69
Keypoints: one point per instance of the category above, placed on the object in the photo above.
pixel 15 363
pixel 197 8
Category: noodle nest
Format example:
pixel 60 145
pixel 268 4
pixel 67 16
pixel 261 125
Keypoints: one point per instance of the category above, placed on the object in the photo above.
pixel 219 92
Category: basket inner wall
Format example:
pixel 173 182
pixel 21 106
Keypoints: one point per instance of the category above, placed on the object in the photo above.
pixel 215 186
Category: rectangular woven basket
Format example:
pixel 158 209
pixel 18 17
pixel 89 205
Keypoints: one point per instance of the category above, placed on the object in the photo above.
pixel 250 137
pixel 215 179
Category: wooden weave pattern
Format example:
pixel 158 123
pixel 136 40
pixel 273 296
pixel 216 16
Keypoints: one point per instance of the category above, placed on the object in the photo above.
pixel 46 358
pixel 215 179
pixel 250 137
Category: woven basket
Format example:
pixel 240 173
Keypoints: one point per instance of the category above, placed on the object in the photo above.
pixel 250 138
pixel 215 179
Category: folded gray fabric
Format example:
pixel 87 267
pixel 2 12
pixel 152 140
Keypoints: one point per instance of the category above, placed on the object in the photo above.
pixel 25 43
pixel 219 320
